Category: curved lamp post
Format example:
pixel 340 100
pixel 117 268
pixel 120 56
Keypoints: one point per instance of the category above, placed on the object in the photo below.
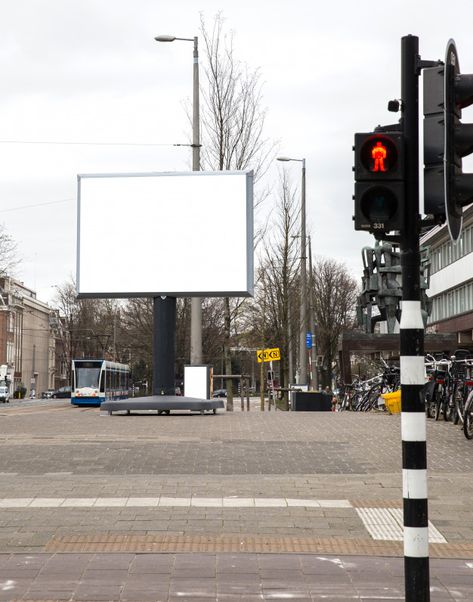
pixel 196 302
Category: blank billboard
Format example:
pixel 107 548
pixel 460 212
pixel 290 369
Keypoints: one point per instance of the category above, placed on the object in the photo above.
pixel 175 234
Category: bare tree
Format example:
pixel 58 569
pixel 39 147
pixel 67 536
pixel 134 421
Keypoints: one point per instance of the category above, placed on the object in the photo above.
pixel 137 337
pixel 8 253
pixel 335 294
pixel 232 119
pixel 87 325
pixel 271 319
pixel 232 115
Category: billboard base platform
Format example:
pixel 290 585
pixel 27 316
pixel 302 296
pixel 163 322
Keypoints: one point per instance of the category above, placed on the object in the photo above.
pixel 163 404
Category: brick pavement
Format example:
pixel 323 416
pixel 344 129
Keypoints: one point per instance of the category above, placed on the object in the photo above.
pixel 51 450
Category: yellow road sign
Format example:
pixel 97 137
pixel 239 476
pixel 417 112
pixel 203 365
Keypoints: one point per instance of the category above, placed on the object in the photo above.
pixel 268 355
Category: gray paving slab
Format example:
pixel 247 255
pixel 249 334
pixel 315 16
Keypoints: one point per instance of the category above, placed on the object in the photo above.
pixel 56 451
pixel 229 576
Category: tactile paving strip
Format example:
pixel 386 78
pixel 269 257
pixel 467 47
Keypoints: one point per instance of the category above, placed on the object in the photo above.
pixel 387 524
pixel 106 542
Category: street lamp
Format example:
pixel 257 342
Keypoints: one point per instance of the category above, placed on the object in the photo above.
pixel 303 307
pixel 196 302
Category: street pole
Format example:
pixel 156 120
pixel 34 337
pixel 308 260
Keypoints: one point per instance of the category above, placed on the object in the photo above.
pixel 261 372
pixel 289 345
pixel 413 419
pixel 303 281
pixel 303 316
pixel 196 302
pixel 313 358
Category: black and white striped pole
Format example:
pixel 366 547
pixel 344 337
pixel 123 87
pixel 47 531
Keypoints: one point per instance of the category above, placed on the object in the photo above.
pixel 413 419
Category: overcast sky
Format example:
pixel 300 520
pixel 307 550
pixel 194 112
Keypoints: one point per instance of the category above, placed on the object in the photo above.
pixel 90 71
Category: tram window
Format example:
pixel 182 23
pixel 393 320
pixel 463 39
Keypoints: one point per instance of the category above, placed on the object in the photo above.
pixel 87 377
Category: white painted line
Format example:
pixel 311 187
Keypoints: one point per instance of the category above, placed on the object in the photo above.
pixel 387 524
pixel 265 502
pixel 335 504
pixel 46 502
pixel 19 502
pixel 149 502
pixel 7 585
pixel 302 503
pixel 163 501
pixel 174 501
pixel 207 502
pixel 238 502
pixel 78 502
pixel 107 502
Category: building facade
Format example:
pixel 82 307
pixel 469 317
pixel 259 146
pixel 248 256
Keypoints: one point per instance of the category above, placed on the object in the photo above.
pixel 451 280
pixel 30 341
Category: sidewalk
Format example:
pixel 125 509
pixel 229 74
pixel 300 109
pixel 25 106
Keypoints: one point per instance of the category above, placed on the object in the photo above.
pixel 219 577
pixel 233 506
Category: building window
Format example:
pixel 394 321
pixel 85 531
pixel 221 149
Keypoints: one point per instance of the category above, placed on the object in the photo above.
pixel 10 353
pixel 449 252
pixel 452 303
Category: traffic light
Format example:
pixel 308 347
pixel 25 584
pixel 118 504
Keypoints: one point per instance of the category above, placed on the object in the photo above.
pixel 379 182
pixel 446 140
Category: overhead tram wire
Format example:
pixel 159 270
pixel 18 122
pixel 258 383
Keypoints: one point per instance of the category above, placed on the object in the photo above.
pixel 72 143
pixel 36 205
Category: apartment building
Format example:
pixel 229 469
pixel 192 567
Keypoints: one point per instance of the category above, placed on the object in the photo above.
pixel 451 280
pixel 29 339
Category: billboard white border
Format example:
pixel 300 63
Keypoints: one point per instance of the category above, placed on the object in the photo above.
pixel 126 294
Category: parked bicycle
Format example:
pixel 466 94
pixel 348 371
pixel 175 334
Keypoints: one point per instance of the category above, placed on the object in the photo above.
pixel 365 395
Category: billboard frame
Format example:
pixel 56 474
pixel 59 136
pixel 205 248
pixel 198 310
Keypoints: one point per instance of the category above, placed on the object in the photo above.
pixel 249 287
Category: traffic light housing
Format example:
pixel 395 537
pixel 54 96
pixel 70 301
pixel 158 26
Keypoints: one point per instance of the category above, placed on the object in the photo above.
pixel 379 182
pixel 446 141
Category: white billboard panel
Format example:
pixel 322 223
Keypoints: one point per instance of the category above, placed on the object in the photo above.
pixel 176 234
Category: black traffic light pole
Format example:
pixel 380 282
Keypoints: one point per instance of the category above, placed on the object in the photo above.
pixel 413 424
pixel 387 200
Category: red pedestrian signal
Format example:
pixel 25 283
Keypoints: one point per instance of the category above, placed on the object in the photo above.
pixel 378 154
pixel 379 188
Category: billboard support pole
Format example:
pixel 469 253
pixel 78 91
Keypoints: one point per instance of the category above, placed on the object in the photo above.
pixel 164 345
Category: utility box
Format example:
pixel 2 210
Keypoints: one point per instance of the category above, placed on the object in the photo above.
pixel 198 381
pixel 311 401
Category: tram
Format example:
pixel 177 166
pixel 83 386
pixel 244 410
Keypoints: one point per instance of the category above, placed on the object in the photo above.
pixel 96 381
